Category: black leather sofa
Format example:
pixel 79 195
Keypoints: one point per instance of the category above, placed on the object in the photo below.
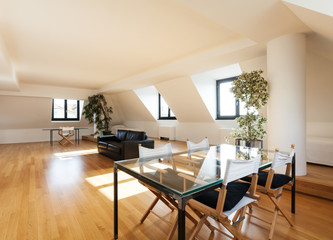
pixel 123 145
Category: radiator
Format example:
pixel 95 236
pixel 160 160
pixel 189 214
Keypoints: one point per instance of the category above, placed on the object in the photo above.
pixel 167 133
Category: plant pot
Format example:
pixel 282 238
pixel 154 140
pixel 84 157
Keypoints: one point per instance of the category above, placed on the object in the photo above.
pixel 252 144
pixel 107 133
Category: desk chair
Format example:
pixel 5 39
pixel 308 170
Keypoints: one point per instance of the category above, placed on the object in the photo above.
pixel 271 184
pixel 66 133
pixel 163 153
pixel 234 196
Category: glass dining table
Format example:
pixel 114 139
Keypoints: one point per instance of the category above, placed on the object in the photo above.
pixel 183 178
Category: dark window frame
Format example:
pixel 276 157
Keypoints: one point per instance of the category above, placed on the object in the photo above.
pixel 65 112
pixel 218 84
pixel 169 117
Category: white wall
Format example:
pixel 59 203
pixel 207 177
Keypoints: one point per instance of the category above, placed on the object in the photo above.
pixel 319 113
pixel 150 127
pixel 23 118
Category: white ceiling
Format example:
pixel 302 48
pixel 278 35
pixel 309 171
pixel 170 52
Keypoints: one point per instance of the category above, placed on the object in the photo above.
pixel 111 45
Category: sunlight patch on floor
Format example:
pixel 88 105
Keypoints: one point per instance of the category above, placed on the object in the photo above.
pixel 106 179
pixel 68 155
pixel 125 190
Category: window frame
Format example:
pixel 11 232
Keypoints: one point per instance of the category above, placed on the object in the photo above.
pixel 169 117
pixel 218 116
pixel 65 111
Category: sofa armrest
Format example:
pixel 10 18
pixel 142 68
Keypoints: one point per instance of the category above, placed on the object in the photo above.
pixel 131 147
pixel 107 138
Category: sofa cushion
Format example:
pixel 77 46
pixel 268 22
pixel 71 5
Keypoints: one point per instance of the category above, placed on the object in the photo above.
pixel 103 145
pixel 115 147
pixel 121 134
pixel 133 135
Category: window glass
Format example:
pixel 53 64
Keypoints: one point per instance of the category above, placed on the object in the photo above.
pixel 164 110
pixel 227 100
pixel 66 110
pixel 59 108
pixel 227 106
pixel 72 108
pixel 242 109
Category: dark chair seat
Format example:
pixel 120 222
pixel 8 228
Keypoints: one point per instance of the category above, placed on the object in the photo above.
pixel 278 181
pixel 235 192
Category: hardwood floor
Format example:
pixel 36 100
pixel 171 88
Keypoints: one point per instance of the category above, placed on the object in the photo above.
pixel 65 192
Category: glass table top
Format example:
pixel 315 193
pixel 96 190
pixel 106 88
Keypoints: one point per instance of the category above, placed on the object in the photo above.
pixel 48 129
pixel 183 176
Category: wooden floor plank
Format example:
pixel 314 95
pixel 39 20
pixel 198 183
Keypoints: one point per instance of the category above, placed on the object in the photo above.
pixel 65 192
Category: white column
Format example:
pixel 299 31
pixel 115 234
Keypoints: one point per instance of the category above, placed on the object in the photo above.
pixel 286 57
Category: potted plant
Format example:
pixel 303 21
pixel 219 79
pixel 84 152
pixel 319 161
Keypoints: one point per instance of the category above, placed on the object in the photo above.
pixel 251 89
pixel 97 111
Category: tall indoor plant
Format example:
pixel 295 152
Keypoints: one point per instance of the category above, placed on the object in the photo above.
pixel 251 88
pixel 96 111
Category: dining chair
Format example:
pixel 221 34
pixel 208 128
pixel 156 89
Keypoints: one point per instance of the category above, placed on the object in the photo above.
pixel 220 203
pixel 66 133
pixel 194 157
pixel 271 184
pixel 163 153
pixel 196 147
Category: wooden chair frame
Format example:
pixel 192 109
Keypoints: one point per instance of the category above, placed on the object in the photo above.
pixel 275 194
pixel 167 200
pixel 233 226
pixel 66 136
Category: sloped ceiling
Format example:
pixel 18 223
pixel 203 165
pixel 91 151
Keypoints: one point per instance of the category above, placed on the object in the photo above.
pixel 318 16
pixel 259 20
pixel 131 107
pixel 84 43
pixel 184 100
pixel 115 45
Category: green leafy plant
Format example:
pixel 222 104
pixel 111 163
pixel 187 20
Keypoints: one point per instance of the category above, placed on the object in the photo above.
pixel 252 89
pixel 97 111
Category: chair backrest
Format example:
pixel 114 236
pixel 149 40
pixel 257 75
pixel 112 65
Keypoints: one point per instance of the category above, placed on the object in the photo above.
pixel 67 128
pixel 159 152
pixel 192 147
pixel 281 159
pixel 237 169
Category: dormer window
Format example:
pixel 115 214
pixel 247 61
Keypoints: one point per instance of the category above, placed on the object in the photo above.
pixel 164 112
